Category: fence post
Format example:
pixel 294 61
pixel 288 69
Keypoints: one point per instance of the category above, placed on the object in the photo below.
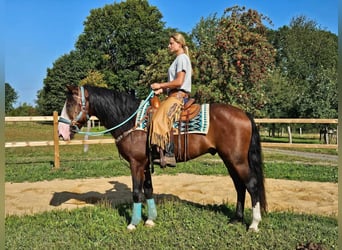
pixel 56 139
pixel 289 134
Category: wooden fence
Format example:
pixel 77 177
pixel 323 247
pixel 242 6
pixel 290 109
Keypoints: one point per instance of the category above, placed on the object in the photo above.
pixel 56 142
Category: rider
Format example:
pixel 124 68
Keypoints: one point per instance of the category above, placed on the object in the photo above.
pixel 177 89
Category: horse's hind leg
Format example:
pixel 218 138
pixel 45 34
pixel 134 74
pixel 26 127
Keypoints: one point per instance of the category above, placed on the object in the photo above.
pixel 252 188
pixel 241 195
pixel 243 180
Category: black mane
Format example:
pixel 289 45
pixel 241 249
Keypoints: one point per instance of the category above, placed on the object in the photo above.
pixel 112 107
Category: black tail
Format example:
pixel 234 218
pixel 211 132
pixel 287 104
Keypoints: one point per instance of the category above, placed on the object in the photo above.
pixel 256 163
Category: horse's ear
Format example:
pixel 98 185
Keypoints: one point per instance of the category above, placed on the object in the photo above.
pixel 72 89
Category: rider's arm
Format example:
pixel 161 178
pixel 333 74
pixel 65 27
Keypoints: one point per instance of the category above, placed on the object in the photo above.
pixel 174 84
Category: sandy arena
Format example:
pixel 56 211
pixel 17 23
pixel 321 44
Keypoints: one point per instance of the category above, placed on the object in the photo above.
pixel 282 195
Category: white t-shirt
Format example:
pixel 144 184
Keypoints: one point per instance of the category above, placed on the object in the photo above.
pixel 181 63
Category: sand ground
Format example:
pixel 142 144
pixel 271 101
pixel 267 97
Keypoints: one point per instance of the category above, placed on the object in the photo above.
pixel 282 195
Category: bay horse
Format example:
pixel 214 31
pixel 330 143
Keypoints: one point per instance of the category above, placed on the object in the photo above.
pixel 232 134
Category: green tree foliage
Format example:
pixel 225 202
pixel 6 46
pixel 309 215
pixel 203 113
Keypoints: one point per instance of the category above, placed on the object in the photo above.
pixel 23 110
pixel 11 97
pixel 307 58
pixel 204 37
pixel 118 38
pixel 112 50
pixel 234 59
pixel 95 78
pixel 67 70
pixel 156 71
pixel 123 46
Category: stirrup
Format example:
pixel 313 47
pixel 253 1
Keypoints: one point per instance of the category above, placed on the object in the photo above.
pixel 161 160
pixel 170 161
pixel 166 161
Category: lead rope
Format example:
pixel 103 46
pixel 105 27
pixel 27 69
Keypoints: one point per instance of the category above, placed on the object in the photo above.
pixel 119 125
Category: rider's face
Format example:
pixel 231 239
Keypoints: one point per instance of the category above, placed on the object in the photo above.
pixel 174 47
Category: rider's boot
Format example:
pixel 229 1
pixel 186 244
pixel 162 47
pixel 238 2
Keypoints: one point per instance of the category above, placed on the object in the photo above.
pixel 170 158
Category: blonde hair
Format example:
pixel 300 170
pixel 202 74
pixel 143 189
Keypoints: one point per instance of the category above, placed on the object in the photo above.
pixel 179 38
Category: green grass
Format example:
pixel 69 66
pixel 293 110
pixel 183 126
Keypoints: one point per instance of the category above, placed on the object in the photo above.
pixel 301 172
pixel 180 225
pixel 36 164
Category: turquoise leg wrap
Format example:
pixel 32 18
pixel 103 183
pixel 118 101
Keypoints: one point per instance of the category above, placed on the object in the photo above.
pixel 152 210
pixel 136 216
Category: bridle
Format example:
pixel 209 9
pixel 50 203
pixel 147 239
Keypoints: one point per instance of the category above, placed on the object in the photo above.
pixel 83 111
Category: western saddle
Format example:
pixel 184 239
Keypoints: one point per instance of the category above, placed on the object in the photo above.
pixel 189 111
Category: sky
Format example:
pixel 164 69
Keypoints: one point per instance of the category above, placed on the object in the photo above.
pixel 38 32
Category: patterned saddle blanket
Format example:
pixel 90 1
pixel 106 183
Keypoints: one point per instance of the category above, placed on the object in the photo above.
pixel 198 125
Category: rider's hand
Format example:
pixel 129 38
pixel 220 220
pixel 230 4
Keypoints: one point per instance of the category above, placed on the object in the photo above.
pixel 158 91
pixel 156 87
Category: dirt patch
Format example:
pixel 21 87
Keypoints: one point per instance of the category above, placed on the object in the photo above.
pixel 282 195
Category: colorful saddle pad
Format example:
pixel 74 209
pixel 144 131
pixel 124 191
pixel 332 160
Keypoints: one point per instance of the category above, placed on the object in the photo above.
pixel 197 125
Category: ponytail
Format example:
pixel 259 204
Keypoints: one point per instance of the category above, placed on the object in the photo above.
pixel 186 50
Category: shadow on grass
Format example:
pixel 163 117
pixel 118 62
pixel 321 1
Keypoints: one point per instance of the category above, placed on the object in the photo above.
pixel 120 197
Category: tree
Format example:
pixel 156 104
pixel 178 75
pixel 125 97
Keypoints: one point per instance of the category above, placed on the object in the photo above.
pixel 119 37
pixel 234 60
pixel 307 58
pixel 23 110
pixel 11 97
pixel 156 71
pixel 69 69
pixel 114 46
pixel 204 38
pixel 280 96
pixel 95 78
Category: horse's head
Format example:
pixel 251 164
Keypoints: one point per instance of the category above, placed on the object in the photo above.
pixel 75 112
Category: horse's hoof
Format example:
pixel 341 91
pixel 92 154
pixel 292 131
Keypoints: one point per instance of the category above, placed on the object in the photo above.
pixel 149 223
pixel 236 221
pixel 131 227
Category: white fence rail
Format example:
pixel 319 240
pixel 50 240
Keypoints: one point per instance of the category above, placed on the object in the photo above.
pixel 56 142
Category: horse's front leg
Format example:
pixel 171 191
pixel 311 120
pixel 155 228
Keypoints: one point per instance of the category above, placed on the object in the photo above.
pixel 137 172
pixel 151 206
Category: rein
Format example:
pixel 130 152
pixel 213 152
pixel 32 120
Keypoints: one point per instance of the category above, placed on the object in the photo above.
pixel 77 130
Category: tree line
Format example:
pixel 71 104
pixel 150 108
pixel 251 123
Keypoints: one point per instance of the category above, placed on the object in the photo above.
pixel 289 72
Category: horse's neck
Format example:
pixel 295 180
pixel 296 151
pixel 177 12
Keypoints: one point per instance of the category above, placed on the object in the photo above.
pixel 111 117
